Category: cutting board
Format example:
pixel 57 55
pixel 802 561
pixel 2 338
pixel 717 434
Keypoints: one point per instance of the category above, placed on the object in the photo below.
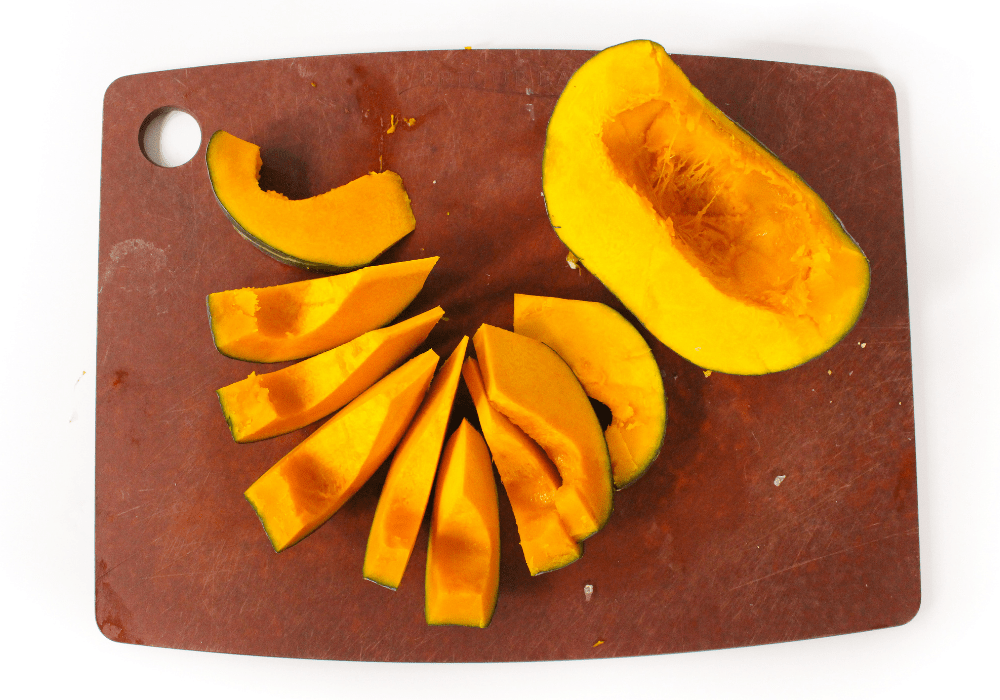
pixel 781 507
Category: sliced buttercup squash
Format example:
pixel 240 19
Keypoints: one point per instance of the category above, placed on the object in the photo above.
pixel 299 319
pixel 463 552
pixel 530 480
pixel 719 249
pixel 265 405
pixel 345 228
pixel 407 489
pixel 537 391
pixel 309 484
pixel 615 366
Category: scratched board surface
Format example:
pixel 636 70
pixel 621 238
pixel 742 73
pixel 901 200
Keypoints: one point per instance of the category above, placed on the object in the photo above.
pixel 782 507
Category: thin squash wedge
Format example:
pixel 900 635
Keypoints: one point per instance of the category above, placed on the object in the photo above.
pixel 530 480
pixel 463 552
pixel 407 489
pixel 345 228
pixel 265 405
pixel 537 391
pixel 299 319
pixel 615 366
pixel 310 483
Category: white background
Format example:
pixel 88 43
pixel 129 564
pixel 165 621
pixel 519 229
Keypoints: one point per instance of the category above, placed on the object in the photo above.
pixel 59 57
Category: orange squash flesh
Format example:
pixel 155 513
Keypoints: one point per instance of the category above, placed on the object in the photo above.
pixel 531 482
pixel 615 366
pixel 408 484
pixel 344 228
pixel 299 319
pixel 265 405
pixel 463 552
pixel 310 483
pixel 534 388
pixel 718 248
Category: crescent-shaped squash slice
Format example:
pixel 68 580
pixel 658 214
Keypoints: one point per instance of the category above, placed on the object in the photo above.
pixel 344 228
pixel 614 365
pixel 310 483
pixel 299 319
pixel 463 551
pixel 719 249
pixel 407 489
pixel 537 391
pixel 530 480
pixel 265 405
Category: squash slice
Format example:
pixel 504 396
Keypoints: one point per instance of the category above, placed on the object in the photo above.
pixel 299 319
pixel 345 228
pixel 463 552
pixel 614 365
pixel 530 480
pixel 310 483
pixel 265 405
pixel 534 388
pixel 408 484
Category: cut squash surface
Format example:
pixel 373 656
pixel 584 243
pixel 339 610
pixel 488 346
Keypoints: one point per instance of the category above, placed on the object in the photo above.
pixel 408 484
pixel 615 366
pixel 530 480
pixel 537 391
pixel 299 319
pixel 463 553
pixel 265 405
pixel 344 228
pixel 309 484
pixel 725 254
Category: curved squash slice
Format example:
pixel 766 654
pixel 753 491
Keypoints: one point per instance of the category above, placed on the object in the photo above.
pixel 463 552
pixel 310 483
pixel 265 405
pixel 408 484
pixel 344 228
pixel 719 249
pixel 299 319
pixel 614 365
pixel 529 478
pixel 531 385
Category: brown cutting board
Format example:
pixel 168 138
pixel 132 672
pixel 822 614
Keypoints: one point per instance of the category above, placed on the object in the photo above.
pixel 712 548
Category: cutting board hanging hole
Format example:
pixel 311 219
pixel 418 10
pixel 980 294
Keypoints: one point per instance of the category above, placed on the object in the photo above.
pixel 169 137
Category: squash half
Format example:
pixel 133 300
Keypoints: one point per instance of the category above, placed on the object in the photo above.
pixel 344 228
pixel 719 249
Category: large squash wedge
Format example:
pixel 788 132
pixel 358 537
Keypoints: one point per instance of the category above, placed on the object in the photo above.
pixel 725 254
pixel 344 228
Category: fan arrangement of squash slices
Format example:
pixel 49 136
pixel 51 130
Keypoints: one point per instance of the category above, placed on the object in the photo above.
pixel 637 163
